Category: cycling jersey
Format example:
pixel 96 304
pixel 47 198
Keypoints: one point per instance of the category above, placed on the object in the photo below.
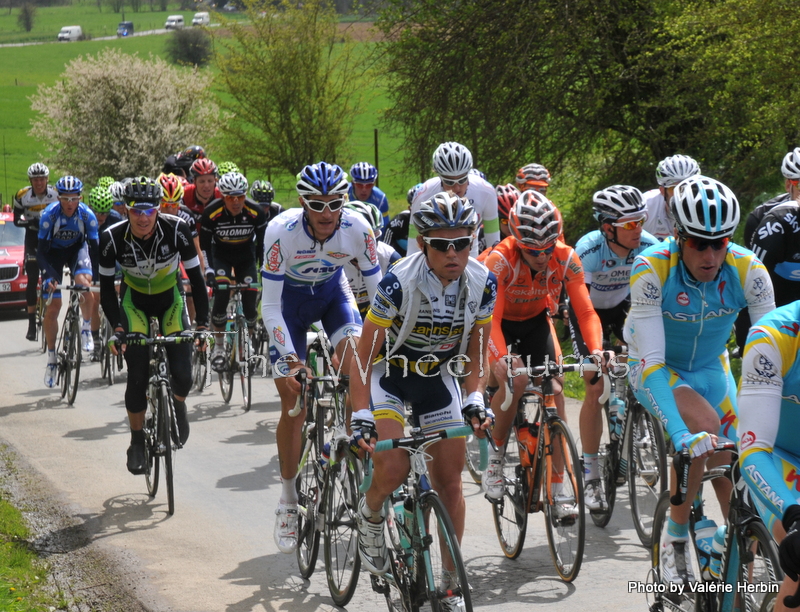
pixel 186 214
pixel 480 194
pixel 112 219
pixel 523 295
pixel 386 256
pixel 233 237
pixel 295 260
pixel 757 214
pixel 396 233
pixel 769 410
pixel 191 201
pixel 57 232
pixel 696 317
pixel 607 274
pixel 28 207
pixel 776 241
pixel 659 221
pixel 271 209
pixel 378 198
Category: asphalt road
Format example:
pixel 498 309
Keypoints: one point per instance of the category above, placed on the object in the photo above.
pixel 217 553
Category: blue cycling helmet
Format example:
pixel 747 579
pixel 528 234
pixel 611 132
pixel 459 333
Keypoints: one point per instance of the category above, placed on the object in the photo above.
pixel 322 179
pixel 705 208
pixel 445 210
pixel 363 172
pixel 69 184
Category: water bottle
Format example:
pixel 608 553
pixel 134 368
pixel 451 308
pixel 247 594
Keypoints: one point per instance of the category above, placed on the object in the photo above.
pixel 704 533
pixel 325 456
pixel 716 552
pixel 616 407
pixel 528 438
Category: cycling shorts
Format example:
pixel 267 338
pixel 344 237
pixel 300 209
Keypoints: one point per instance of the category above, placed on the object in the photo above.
pixel 136 309
pixel 435 400
pixel 78 262
pixel 532 339
pixel 714 383
pixel 245 273
pixel 612 320
pixel 788 465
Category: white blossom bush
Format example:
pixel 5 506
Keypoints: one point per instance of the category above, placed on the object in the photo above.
pixel 120 115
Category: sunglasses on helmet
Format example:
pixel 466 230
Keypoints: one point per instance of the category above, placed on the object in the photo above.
pixel 700 244
pixel 444 244
pixel 449 182
pixel 319 206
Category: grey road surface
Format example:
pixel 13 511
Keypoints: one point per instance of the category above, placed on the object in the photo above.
pixel 217 553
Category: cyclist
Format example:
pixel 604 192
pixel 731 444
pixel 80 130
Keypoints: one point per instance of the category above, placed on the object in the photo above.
pixel 532 266
pixel 507 196
pixel 452 163
pixel 302 281
pixel 148 247
pixel 232 240
pixel 689 289
pixel 117 190
pixel 396 233
pixel 606 256
pixel 362 189
pixel 67 237
pixel 769 454
pixel 263 193
pixel 386 255
pixel 29 202
pixel 669 172
pixel 533 176
pixel 432 308
pixel 790 169
pixel 180 163
pixel 200 194
pixel 101 203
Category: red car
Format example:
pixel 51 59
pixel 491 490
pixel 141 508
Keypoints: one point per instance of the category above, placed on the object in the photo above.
pixel 13 279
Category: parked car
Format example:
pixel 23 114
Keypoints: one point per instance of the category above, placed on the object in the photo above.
pixel 125 28
pixel 201 19
pixel 70 33
pixel 174 22
pixel 13 279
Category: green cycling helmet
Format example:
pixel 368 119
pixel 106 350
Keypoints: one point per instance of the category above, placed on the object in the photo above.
pixel 100 200
pixel 105 181
pixel 227 166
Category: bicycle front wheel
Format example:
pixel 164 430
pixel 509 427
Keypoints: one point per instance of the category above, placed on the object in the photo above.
pixel 151 456
pixel 244 355
pixel 444 556
pixel 165 441
pixel 73 355
pixel 226 376
pixel 763 568
pixel 608 463
pixel 563 504
pixel 510 513
pixel 647 469
pixel 309 490
pixel 342 562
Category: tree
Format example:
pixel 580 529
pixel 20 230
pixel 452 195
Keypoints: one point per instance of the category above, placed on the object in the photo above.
pixel 120 115
pixel 27 14
pixel 290 85
pixel 190 47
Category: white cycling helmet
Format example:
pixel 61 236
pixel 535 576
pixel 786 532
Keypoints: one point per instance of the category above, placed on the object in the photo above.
pixel 534 220
pixel 616 202
pixel 38 169
pixel 232 184
pixel 371 214
pixel 533 175
pixel 445 211
pixel 672 170
pixel 705 208
pixel 790 168
pixel 452 159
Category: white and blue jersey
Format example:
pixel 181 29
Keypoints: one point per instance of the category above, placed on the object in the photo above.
pixel 607 274
pixel 378 198
pixel 63 238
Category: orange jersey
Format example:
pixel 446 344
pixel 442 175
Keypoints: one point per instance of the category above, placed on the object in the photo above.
pixel 522 296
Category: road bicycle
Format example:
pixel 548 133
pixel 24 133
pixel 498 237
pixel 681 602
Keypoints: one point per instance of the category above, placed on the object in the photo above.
pixel 237 347
pixel 110 364
pixel 160 424
pixel 68 349
pixel 41 306
pixel 201 376
pixel 633 451
pixel 543 472
pixel 425 556
pixel 749 557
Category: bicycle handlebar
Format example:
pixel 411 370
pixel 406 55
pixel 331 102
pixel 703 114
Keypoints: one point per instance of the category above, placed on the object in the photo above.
pixel 682 462
pixel 551 369
pixel 301 378
pixel 225 286
pixel 415 441
pixel 159 340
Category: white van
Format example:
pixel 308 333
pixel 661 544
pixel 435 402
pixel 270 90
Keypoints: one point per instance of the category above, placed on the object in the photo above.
pixel 201 19
pixel 174 22
pixel 70 33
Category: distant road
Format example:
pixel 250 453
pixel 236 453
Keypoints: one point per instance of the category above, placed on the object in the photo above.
pixel 115 37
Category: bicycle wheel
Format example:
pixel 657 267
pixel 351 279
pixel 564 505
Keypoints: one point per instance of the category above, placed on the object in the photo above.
pixel 342 562
pixel 62 350
pixel 647 468
pixel 510 513
pixel 763 568
pixel 608 463
pixel 41 306
pixel 563 504
pixel 199 369
pixel 73 355
pixel 165 441
pixel 444 553
pixel 152 462
pixel 226 376
pixel 245 364
pixel 308 498
pixel 474 459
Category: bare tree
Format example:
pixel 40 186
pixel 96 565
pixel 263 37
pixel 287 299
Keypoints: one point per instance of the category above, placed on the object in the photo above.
pixel 27 15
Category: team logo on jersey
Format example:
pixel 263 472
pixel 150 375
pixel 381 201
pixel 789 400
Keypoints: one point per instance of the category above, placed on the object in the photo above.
pixel 164 249
pixel 747 439
pixel 721 289
pixel 682 298
pixel 337 255
pixel 765 367
pixel 372 251
pixel 449 300
pixel 278 336
pixel 610 263
pixel 291 225
pixel 793 329
pixel 274 258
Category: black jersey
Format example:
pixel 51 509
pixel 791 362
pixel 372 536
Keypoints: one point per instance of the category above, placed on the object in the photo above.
pixel 232 237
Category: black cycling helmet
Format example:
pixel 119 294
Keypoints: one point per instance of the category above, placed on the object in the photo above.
pixel 143 193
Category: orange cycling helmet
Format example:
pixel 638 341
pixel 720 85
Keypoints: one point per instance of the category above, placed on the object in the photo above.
pixel 534 220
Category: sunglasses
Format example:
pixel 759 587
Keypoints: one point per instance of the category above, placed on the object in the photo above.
pixel 629 225
pixel 538 252
pixel 319 206
pixel 699 244
pixel 70 200
pixel 142 212
pixel 449 182
pixel 444 244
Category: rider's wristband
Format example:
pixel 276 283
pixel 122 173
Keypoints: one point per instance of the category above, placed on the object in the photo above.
pixel 476 397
